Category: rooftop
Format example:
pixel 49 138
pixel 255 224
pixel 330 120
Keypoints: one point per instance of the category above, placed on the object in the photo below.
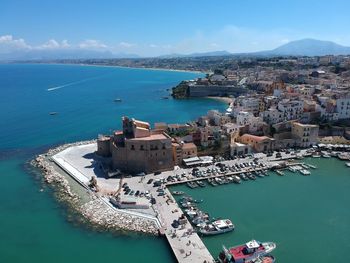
pixel 150 138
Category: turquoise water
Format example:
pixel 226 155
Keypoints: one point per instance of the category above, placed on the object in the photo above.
pixel 33 226
pixel 307 216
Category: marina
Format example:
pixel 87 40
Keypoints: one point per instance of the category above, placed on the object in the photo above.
pixel 164 211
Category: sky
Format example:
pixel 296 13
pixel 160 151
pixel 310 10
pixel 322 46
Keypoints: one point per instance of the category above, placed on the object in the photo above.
pixel 158 27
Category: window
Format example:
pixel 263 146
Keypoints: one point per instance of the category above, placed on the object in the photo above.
pixel 132 147
pixel 141 148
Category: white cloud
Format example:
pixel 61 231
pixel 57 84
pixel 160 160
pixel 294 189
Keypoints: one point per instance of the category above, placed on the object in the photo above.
pixel 51 44
pixel 9 43
pixel 153 46
pixel 65 43
pixel 126 45
pixel 92 44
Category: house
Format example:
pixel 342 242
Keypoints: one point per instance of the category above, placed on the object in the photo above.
pixel 306 133
pixel 258 143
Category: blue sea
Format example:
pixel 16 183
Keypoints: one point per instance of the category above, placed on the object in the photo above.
pixel 33 226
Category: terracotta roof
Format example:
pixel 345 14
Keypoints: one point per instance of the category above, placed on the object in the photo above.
pixel 256 138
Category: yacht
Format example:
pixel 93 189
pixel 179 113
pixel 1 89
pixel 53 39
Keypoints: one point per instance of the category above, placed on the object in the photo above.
pixel 217 227
pixel 347 164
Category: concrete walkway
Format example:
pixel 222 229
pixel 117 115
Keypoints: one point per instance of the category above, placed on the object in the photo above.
pixel 184 241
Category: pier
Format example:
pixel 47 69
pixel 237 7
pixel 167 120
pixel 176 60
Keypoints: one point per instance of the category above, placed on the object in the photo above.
pixel 184 240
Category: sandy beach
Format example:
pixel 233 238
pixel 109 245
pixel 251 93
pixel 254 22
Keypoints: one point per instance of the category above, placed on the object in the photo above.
pixel 226 100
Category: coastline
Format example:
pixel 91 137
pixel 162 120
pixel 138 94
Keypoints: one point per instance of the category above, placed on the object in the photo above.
pixel 225 100
pixel 86 203
pixel 110 66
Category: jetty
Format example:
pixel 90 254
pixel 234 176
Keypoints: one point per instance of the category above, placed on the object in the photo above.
pixel 184 240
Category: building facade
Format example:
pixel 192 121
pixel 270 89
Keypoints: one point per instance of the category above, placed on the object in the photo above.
pixel 306 133
pixel 138 149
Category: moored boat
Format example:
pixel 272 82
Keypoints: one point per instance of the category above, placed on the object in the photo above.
pixel 248 252
pixel 312 166
pixel 304 172
pixel 200 183
pixel 217 227
pixel 178 193
pixel 292 169
pixel 279 172
pixel 347 164
pixel 212 182
pixel 263 259
pixel 192 185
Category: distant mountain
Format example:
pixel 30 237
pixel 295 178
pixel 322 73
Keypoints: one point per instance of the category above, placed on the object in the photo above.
pixel 63 54
pixel 307 47
pixel 200 54
pixel 304 47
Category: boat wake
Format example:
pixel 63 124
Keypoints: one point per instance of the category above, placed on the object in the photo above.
pixel 70 84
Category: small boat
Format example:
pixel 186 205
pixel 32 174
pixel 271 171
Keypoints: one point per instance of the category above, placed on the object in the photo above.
pixel 292 169
pixel 117 100
pixel 178 193
pixel 344 156
pixel 165 97
pixel 305 166
pixel 243 177
pixel 53 113
pixel 218 180
pixel 212 182
pixel 326 155
pixel 264 172
pixel 258 174
pixel 251 176
pixel 312 166
pixel 236 179
pixel 247 252
pixel 263 259
pixel 304 172
pixel 279 172
pixel 316 155
pixel 200 183
pixel 217 227
pixel 347 164
pixel 192 185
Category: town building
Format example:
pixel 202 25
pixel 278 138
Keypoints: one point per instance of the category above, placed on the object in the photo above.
pixel 238 149
pixel 183 151
pixel 306 133
pixel 138 149
pixel 258 143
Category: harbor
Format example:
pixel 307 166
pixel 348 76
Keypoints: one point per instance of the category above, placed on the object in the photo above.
pixel 161 210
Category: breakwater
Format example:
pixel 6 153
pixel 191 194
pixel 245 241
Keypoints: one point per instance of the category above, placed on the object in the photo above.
pixel 97 212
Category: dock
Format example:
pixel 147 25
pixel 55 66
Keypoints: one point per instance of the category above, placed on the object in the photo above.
pixel 185 243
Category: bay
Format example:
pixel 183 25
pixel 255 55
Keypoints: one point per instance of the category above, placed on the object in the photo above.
pixel 36 228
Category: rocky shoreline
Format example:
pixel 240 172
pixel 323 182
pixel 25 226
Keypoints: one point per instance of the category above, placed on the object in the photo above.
pixel 96 211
